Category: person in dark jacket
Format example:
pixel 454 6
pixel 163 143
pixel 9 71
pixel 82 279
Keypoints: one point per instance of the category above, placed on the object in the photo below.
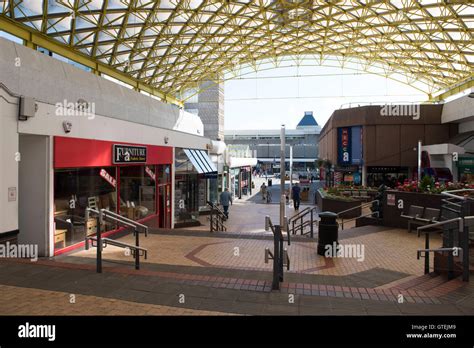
pixel 226 200
pixel 295 193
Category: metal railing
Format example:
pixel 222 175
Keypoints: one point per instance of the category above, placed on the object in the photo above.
pixel 452 194
pixel 297 222
pixel 217 218
pixel 448 245
pixel 106 215
pixel 280 254
pixel 362 206
pixel 358 217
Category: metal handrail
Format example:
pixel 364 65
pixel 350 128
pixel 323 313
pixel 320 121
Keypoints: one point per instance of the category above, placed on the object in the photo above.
pixel 296 216
pixel 358 217
pixel 108 213
pixel 460 222
pixel 359 206
pixel 448 202
pixel 104 213
pixel 453 249
pixel 452 210
pixel 300 216
pixel 304 224
pixel 121 220
pixel 452 195
pixel 442 223
pixel 218 223
pixel 279 253
pixel 214 206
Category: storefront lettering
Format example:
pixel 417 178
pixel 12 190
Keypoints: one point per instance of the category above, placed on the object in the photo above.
pixel 108 177
pixel 150 173
pixel 129 154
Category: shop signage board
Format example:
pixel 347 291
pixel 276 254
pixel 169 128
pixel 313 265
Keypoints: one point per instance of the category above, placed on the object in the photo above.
pixel 344 145
pixel 391 199
pixel 125 154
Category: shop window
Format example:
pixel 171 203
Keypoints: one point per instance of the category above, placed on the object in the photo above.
pixel 164 174
pixel 74 191
pixel 137 192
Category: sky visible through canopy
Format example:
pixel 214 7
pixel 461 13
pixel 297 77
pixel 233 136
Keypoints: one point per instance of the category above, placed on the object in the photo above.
pixel 267 99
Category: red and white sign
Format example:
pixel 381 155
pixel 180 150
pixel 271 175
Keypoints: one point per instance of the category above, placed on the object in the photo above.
pixel 109 178
pixel 345 137
pixel 150 173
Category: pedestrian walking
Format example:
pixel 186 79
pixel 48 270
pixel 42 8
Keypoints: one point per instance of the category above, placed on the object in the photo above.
pixel 226 200
pixel 263 191
pixel 295 193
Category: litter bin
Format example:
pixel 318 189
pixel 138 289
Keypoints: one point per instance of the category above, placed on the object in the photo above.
pixel 269 182
pixel 328 231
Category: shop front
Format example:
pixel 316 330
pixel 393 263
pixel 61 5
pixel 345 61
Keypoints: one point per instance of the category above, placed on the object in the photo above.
pixel 195 182
pixel 465 166
pixel 133 180
pixel 388 175
pixel 347 175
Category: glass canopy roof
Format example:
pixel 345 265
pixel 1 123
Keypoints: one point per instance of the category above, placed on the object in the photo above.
pixel 175 45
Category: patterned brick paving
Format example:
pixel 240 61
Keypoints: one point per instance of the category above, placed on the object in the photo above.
pixel 411 290
pixel 389 249
pixel 214 269
pixel 45 302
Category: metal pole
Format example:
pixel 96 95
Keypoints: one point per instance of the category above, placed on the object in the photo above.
pixel 427 254
pixel 450 255
pixel 291 169
pixel 137 253
pixel 280 254
pixel 212 221
pixel 99 244
pixel 282 176
pixel 276 257
pixel 465 254
pixel 419 162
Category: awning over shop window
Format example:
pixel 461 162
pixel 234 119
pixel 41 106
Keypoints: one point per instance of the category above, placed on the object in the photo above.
pixel 201 161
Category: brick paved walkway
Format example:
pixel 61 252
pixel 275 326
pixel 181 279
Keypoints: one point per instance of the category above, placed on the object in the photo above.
pixel 195 272
pixel 27 301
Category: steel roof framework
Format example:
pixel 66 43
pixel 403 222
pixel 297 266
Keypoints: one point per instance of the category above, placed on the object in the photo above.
pixel 172 46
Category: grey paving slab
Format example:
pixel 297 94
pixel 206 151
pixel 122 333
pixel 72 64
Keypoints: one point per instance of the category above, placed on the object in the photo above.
pixel 274 309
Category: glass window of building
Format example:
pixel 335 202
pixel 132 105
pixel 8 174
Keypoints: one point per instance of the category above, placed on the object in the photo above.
pixel 137 192
pixel 75 190
pixel 190 191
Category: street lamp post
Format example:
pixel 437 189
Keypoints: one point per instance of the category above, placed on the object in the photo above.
pixel 282 176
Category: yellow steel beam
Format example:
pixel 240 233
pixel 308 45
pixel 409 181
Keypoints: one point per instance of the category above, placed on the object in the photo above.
pixel 458 88
pixel 34 38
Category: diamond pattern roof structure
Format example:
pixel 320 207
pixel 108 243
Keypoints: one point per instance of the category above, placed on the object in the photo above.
pixel 174 45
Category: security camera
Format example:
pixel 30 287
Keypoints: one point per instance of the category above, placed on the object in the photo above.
pixel 67 126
